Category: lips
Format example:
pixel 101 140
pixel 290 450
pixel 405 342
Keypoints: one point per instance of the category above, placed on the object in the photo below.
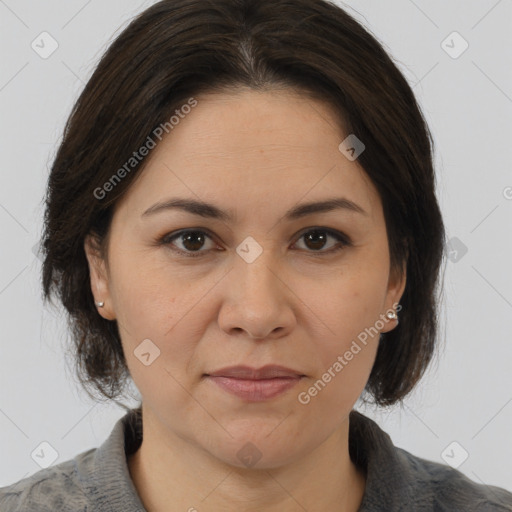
pixel 248 373
pixel 255 384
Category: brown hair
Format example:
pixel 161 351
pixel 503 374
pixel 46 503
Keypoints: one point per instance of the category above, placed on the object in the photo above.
pixel 178 49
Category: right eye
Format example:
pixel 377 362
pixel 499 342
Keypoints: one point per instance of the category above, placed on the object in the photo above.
pixel 191 239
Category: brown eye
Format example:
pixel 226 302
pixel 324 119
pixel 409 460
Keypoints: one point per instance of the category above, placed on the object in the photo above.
pixel 192 241
pixel 316 239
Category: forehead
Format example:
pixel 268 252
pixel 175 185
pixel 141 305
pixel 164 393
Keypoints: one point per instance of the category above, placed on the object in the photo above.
pixel 273 147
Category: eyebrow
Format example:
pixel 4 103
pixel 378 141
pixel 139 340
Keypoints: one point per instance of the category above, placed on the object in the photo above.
pixel 209 210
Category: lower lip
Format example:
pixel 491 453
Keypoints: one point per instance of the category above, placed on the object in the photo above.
pixel 256 390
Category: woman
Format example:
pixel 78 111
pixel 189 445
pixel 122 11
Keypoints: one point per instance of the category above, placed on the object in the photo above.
pixel 242 219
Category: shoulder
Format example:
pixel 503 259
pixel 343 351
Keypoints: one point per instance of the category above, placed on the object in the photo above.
pixel 448 489
pixel 96 479
pixel 397 480
pixel 55 488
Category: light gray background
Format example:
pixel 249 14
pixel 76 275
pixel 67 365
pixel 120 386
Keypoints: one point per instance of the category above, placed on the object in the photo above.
pixel 466 397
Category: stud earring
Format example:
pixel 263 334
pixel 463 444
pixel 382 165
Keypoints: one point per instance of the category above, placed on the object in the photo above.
pixel 100 304
pixel 392 315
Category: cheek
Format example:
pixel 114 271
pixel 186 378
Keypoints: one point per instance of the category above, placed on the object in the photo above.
pixel 159 351
pixel 347 308
pixel 346 352
pixel 141 293
pixel 153 304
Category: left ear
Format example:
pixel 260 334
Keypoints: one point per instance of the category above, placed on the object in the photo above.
pixel 396 287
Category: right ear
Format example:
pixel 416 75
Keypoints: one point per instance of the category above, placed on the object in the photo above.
pixel 99 276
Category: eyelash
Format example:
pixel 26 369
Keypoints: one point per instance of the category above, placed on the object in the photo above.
pixel 343 240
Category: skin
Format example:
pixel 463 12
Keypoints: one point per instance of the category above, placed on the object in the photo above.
pixel 299 305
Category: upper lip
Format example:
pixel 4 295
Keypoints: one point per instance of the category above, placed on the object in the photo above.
pixel 265 372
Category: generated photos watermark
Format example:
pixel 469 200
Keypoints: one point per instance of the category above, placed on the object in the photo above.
pixel 304 397
pixel 137 156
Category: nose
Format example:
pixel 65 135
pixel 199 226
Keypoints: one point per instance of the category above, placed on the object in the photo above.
pixel 256 300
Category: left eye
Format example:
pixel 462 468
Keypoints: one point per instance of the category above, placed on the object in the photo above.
pixel 317 238
pixel 193 240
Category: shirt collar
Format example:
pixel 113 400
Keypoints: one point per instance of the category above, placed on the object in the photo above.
pixel 110 486
pixel 391 480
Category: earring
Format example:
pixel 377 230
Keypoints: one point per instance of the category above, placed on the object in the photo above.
pixel 100 304
pixel 392 315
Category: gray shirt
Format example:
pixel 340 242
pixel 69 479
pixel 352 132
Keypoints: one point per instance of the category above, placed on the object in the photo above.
pixel 98 479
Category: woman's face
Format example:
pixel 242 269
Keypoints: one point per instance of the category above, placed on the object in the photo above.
pixel 257 288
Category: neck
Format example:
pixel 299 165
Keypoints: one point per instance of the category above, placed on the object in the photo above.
pixel 177 475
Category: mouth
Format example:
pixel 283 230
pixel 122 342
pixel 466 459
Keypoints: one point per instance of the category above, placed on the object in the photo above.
pixel 255 385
